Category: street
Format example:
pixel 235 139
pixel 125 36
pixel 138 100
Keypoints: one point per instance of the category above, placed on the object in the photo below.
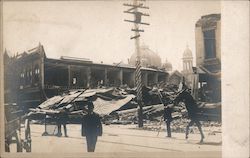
pixel 121 138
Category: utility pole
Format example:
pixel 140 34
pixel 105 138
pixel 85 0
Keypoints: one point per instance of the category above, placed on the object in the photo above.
pixel 137 21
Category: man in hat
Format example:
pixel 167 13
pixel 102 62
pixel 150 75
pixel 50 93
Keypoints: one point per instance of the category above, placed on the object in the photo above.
pixel 91 127
pixel 62 119
pixel 168 118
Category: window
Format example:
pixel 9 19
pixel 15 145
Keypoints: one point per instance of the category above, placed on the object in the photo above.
pixel 26 77
pixel 36 74
pixel 209 42
pixel 22 75
pixel 74 81
pixel 22 80
pixel 37 71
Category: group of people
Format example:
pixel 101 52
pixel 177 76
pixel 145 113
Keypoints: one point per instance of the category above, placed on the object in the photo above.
pixel 92 126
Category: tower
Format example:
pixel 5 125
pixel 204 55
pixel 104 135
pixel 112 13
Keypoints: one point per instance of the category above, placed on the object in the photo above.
pixel 187 71
pixel 187 61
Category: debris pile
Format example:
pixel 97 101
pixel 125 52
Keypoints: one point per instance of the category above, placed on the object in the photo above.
pixel 106 100
pixel 119 106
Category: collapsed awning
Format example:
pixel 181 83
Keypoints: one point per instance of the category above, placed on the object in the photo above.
pixel 215 74
pixel 105 100
pixel 104 107
pixel 77 95
pixel 203 71
pixel 198 70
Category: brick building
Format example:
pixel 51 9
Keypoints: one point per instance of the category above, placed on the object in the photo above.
pixel 31 77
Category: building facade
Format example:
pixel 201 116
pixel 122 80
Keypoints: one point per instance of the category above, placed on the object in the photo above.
pixel 36 77
pixel 208 56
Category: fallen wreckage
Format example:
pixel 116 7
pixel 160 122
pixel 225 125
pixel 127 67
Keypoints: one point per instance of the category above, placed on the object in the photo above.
pixel 118 106
pixel 106 100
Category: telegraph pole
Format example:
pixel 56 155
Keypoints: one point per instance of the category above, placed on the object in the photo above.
pixel 137 21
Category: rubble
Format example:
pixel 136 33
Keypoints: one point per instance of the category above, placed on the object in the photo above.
pixel 119 106
pixel 106 100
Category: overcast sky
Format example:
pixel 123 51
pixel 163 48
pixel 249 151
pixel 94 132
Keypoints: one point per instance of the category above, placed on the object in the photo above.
pixel 96 30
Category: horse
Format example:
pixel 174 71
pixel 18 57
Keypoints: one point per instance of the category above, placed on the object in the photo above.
pixel 192 108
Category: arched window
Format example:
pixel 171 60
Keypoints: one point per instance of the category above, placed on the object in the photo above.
pixel 27 76
pixel 22 79
pixel 36 73
pixel 30 76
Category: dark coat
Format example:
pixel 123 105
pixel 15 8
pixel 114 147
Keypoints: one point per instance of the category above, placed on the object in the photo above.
pixel 91 125
pixel 167 114
pixel 62 117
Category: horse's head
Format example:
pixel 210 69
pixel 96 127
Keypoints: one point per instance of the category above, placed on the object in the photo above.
pixel 181 95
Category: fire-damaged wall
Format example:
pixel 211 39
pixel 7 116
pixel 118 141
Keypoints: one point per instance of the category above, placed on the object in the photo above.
pixel 208 57
pixel 24 77
pixel 31 77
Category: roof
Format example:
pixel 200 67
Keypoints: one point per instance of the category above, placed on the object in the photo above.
pixel 176 73
pixel 77 62
pixel 208 21
pixel 30 54
pixel 39 51
pixel 187 53
pixel 148 57
pixel 75 59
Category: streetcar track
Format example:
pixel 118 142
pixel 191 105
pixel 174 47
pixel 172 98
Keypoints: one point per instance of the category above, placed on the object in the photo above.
pixel 137 145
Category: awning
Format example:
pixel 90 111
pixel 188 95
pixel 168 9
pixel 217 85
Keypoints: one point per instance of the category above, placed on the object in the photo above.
pixel 198 70
pixel 203 70
pixel 216 74
pixel 104 107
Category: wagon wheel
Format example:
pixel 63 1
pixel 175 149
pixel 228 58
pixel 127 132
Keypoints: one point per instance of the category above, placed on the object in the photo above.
pixel 7 145
pixel 27 141
pixel 18 142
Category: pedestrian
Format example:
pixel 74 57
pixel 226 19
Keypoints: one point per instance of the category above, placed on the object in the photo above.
pixel 192 108
pixel 91 127
pixel 168 118
pixel 62 119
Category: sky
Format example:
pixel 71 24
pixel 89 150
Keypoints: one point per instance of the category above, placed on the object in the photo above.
pixel 96 29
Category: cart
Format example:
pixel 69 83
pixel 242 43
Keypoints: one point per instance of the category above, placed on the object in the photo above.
pixel 15 120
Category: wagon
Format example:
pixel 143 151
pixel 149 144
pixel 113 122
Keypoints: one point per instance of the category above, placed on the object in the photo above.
pixel 15 121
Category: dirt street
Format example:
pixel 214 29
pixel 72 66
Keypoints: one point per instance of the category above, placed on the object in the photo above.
pixel 121 138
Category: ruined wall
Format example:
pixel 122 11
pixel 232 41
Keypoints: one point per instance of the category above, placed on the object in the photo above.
pixel 208 22
pixel 218 40
pixel 199 41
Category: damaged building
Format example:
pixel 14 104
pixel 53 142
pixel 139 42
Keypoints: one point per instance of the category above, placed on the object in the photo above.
pixel 207 85
pixel 32 77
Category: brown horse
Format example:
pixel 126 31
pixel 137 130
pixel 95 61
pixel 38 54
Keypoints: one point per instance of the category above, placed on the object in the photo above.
pixel 192 108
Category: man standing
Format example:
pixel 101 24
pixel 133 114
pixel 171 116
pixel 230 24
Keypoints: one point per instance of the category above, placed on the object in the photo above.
pixel 62 119
pixel 168 118
pixel 91 127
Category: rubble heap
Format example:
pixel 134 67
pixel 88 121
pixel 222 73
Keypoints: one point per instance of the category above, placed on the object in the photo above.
pixel 119 106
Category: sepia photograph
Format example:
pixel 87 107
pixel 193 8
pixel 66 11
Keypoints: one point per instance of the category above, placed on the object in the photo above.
pixel 103 77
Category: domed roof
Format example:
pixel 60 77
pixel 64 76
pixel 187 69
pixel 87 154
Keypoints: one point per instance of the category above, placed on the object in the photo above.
pixel 187 53
pixel 167 66
pixel 148 58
